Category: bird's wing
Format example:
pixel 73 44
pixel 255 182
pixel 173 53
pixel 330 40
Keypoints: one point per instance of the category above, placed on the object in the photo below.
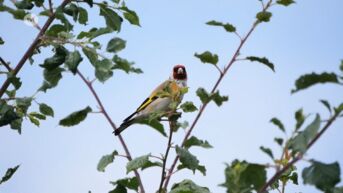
pixel 153 96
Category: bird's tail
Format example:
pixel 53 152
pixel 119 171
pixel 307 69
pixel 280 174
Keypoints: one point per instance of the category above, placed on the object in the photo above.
pixel 123 126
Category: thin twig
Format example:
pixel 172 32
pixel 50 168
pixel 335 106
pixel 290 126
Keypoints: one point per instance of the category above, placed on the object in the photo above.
pixel 163 175
pixel 6 65
pixel 202 108
pixel 299 156
pixel 51 7
pixel 31 49
pixel 114 127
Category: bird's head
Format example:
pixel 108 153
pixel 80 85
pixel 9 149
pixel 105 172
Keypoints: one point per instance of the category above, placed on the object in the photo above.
pixel 179 72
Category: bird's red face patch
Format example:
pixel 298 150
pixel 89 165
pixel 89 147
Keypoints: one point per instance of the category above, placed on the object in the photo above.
pixel 179 72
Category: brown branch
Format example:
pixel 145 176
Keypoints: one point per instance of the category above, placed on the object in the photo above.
pixel 163 175
pixel 31 49
pixel 202 108
pixel 51 7
pixel 114 127
pixel 5 64
pixel 299 156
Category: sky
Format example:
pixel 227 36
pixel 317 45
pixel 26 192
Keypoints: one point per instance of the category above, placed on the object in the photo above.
pixel 303 38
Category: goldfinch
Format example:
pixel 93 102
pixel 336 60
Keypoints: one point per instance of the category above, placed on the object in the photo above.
pixel 158 102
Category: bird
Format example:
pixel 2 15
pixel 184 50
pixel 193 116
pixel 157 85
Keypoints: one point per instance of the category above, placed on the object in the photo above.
pixel 160 100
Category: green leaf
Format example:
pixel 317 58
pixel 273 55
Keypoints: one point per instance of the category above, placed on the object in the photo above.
pixel 119 189
pixel 242 176
pixel 1 41
pixel 83 16
pixel 113 20
pixel 207 57
pixel 126 66
pixel 130 16
pixel 188 107
pixel 7 115
pixel 9 173
pixel 23 103
pixel 38 115
pixel 137 163
pixel 15 81
pixel 300 142
pixel 16 13
pixel 115 45
pixel 89 2
pixel 34 120
pixel 56 60
pixel 130 183
pixel 323 176
pixel 155 124
pixel 51 78
pixel 46 109
pixel 94 32
pixel 268 151
pixel 300 118
pixel 263 60
pixel 24 4
pixel 54 30
pixel 294 178
pixel 285 2
pixel 228 27
pixel 341 66
pixel 338 190
pixel 278 123
pixel 263 16
pixel 326 104
pixel 187 186
pixel 308 80
pixel 187 159
pixel 278 141
pixel 72 60
pixel 106 160
pixel 193 141
pixel 103 69
pixel 338 109
pixel 16 124
pixel 218 99
pixel 203 95
pixel 72 10
pixel 75 117
pixel 60 16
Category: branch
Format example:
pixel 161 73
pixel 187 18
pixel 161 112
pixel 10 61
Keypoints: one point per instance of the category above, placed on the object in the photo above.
pixel 227 67
pixel 51 7
pixel 31 49
pixel 163 175
pixel 114 127
pixel 299 156
pixel 5 64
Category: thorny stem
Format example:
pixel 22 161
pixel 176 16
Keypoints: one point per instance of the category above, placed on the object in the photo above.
pixel 163 175
pixel 31 49
pixel 114 127
pixel 299 156
pixel 202 108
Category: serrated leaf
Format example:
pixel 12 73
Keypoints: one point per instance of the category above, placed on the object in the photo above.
pixel 308 80
pixel 115 45
pixel 242 176
pixel 113 20
pixel 83 16
pixel 130 183
pixel 126 66
pixel 262 60
pixel 194 141
pixel 106 160
pixel 188 107
pixel 268 151
pixel 299 142
pixel 187 159
pixel 227 26
pixel 300 118
pixel 285 2
pixel 130 16
pixel 51 78
pixel 72 61
pixel 203 95
pixel 218 99
pixel 326 104
pixel 103 69
pixel 263 16
pixel 278 123
pixel 155 124
pixel 187 186
pixel 56 60
pixel 137 163
pixel 207 57
pixel 323 176
pixel 75 117
pixel 9 173
pixel 46 109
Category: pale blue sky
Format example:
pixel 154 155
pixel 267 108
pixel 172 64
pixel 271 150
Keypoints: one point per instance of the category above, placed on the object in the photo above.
pixel 303 38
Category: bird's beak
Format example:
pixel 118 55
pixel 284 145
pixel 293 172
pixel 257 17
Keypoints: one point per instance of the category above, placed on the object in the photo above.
pixel 180 71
